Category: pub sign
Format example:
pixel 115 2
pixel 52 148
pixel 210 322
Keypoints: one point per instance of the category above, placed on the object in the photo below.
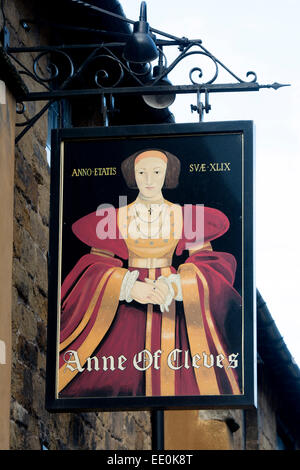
pixel 151 272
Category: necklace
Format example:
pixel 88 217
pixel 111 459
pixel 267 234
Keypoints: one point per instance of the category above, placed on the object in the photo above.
pixel 153 213
pixel 155 228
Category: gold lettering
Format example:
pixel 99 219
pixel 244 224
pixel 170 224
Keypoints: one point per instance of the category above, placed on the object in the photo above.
pixel 94 171
pixel 222 166
pixel 198 167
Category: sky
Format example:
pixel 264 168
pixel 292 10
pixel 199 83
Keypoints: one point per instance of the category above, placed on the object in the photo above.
pixel 261 36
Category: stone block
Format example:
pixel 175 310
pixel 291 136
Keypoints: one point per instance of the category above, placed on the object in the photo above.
pixel 17 240
pixel 109 442
pixel 19 36
pixel 24 322
pixel 32 442
pixel 24 147
pixel 41 130
pixel 41 336
pixel 251 428
pixel 39 304
pixel 140 441
pixel 38 402
pixel 98 440
pixel 18 414
pixel 41 272
pixel 78 435
pixel 39 232
pixel 17 382
pixel 21 281
pixel 40 164
pixel 90 419
pixel 28 388
pixel 21 210
pixel 25 180
pixel 17 436
pixel 266 444
pixel 118 424
pixel 44 204
pixel 27 352
pixel 25 250
pixel 41 365
pixel 36 157
pixel 33 435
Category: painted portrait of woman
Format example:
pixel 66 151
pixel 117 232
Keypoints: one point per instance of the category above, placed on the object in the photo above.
pixel 160 329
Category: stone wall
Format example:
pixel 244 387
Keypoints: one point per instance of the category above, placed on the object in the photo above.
pixel 266 415
pixel 204 430
pixel 31 424
pixel 260 426
pixel 7 137
pixel 249 429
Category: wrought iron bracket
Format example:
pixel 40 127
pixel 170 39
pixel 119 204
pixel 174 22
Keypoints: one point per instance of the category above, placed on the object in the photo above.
pixel 56 70
pixel 200 107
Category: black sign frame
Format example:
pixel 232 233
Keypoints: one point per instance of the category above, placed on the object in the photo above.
pixel 156 136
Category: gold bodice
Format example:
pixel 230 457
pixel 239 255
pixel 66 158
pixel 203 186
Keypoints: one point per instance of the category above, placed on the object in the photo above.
pixel 146 251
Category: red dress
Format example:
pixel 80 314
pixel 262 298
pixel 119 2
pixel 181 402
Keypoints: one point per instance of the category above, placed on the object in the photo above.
pixel 187 346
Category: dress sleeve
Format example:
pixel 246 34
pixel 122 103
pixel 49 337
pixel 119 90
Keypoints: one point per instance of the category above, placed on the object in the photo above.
pixel 213 268
pixel 90 292
pixel 211 303
pixel 82 281
pixel 89 302
pixel 100 230
pixel 201 225
pixel 79 287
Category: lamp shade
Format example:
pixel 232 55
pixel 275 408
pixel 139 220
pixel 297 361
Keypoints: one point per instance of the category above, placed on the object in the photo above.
pixel 141 47
pixel 159 101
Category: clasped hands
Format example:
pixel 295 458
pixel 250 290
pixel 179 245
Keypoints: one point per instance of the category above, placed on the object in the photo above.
pixel 150 292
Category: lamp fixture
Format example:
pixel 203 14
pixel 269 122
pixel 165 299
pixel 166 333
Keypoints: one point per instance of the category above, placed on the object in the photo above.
pixel 159 78
pixel 140 47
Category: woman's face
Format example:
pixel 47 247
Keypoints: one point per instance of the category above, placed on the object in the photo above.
pixel 150 175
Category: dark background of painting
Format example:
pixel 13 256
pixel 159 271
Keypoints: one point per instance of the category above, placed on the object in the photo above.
pixel 220 190
pixel 221 142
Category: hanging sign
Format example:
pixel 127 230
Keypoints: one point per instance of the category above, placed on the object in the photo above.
pixel 151 292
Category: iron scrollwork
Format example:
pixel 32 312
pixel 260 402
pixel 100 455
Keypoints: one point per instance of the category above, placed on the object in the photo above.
pixel 55 70
pixel 51 67
pixel 100 69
